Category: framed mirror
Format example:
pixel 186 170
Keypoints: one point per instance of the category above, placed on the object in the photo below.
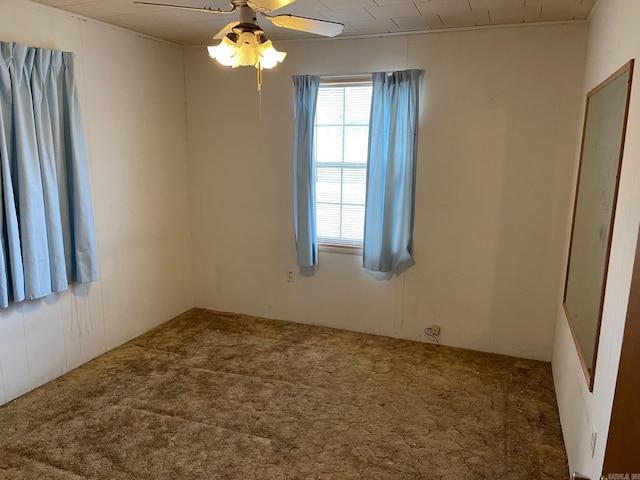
pixel 594 211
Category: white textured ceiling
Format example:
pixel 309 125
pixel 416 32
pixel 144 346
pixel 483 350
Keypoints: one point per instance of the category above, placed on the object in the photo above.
pixel 360 17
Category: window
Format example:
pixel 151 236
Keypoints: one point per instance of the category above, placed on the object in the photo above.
pixel 342 136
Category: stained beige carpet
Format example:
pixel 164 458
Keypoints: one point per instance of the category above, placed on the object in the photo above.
pixel 221 396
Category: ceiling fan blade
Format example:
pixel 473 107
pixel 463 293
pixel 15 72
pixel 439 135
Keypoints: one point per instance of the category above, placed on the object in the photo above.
pixel 303 24
pixel 184 7
pixel 268 5
pixel 226 29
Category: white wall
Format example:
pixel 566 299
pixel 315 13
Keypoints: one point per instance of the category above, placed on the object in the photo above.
pixel 613 40
pixel 132 95
pixel 495 159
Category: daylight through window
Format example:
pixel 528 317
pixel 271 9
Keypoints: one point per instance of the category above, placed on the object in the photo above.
pixel 342 135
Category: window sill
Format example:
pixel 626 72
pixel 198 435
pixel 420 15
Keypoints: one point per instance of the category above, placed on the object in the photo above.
pixel 343 249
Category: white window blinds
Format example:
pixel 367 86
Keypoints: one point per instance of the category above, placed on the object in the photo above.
pixel 342 134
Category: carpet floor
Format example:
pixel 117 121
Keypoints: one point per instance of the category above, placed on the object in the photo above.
pixel 221 396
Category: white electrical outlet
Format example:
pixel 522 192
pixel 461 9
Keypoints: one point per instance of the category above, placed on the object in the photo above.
pixel 594 438
pixel 435 329
pixel 289 275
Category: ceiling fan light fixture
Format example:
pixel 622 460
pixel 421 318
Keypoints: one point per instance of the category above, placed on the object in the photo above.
pixel 245 49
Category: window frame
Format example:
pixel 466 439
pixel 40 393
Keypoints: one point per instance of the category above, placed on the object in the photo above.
pixel 345 81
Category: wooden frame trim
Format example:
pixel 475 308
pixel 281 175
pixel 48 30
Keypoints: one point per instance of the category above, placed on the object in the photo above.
pixel 626 68
pixel 329 81
pixel 340 248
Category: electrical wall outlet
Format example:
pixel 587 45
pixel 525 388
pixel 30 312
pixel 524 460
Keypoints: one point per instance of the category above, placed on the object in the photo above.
pixel 289 275
pixel 435 329
pixel 594 438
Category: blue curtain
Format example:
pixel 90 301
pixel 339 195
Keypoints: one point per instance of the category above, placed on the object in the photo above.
pixel 304 176
pixel 47 237
pixel 393 135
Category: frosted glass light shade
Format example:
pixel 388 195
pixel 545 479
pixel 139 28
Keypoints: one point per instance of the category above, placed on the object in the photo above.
pixel 270 57
pixel 224 53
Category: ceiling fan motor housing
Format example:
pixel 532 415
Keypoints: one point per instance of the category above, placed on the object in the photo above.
pixel 247 14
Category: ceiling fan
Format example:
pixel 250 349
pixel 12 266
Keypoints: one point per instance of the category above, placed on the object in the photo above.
pixel 244 43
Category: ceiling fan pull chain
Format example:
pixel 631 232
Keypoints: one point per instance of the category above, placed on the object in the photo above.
pixel 259 68
pixel 260 120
